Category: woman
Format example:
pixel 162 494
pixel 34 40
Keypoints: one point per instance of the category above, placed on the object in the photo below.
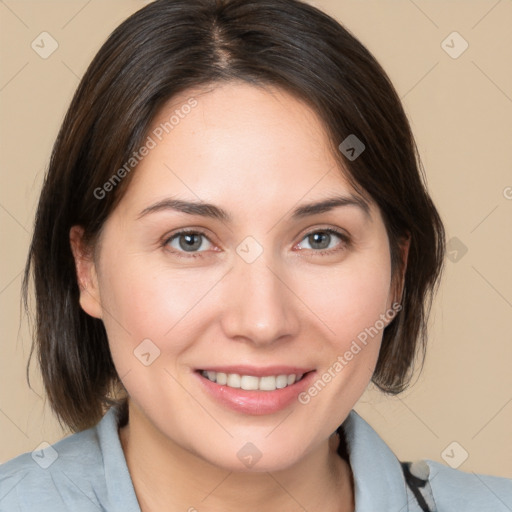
pixel 232 241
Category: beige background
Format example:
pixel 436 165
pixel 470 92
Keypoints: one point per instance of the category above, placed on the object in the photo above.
pixel 461 112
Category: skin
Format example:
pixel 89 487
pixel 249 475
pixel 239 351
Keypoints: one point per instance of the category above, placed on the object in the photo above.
pixel 257 153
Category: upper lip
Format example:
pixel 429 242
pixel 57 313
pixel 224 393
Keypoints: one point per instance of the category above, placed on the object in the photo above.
pixel 259 371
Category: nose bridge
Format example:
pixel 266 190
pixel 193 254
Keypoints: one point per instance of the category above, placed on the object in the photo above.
pixel 260 306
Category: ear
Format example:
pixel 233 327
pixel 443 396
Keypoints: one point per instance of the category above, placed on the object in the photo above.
pixel 86 274
pixel 398 283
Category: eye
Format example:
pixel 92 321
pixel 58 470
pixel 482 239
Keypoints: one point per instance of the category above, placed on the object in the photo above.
pixel 324 240
pixel 188 242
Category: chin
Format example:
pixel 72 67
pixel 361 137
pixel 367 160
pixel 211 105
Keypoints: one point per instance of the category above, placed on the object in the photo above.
pixel 245 456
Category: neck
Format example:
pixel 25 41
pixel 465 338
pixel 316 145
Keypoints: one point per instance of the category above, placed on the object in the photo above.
pixel 167 477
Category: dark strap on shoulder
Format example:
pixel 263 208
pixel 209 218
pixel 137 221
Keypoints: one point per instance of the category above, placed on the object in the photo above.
pixel 420 487
pixel 416 475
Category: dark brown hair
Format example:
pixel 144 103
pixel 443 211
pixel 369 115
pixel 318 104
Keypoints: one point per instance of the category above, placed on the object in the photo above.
pixel 170 46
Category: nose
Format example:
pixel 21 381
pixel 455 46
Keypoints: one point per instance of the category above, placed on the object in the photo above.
pixel 259 306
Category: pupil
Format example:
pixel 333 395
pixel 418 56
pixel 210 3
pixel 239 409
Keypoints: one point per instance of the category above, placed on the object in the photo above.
pixel 192 242
pixel 317 239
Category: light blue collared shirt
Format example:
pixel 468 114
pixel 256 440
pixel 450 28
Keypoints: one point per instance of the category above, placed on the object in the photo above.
pixel 87 471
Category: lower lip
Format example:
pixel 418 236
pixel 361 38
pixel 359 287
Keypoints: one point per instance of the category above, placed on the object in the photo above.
pixel 255 402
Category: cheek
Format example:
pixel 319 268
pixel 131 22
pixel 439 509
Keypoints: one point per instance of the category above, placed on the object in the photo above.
pixel 350 298
pixel 143 299
pixel 351 303
pixel 149 313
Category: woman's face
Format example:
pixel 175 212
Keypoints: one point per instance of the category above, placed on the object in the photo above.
pixel 262 289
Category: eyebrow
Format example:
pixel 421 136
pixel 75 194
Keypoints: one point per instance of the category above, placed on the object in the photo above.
pixel 210 210
pixel 329 204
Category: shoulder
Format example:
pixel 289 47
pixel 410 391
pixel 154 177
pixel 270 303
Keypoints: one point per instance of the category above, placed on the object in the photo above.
pixel 54 475
pixel 85 471
pixel 438 487
pixel 383 482
pixel 469 491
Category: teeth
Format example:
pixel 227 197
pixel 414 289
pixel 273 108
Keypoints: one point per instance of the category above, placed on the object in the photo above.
pixel 281 381
pixel 220 378
pixel 234 380
pixel 267 383
pixel 250 382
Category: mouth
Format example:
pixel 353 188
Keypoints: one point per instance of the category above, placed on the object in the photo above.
pixel 252 390
pixel 252 382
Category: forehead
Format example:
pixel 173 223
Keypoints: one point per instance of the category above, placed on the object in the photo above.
pixel 238 143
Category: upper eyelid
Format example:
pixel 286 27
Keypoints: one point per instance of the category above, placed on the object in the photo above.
pixel 332 231
pixel 167 238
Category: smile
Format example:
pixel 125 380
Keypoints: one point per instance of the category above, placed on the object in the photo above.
pixel 255 390
pixel 251 382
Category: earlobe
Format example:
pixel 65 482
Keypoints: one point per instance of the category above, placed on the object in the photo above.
pixel 86 274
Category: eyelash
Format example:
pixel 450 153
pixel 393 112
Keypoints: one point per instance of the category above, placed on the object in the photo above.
pixel 345 240
pixel 182 254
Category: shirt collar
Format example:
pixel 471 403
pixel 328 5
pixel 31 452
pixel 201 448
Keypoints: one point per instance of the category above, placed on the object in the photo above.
pixel 378 478
pixel 121 494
